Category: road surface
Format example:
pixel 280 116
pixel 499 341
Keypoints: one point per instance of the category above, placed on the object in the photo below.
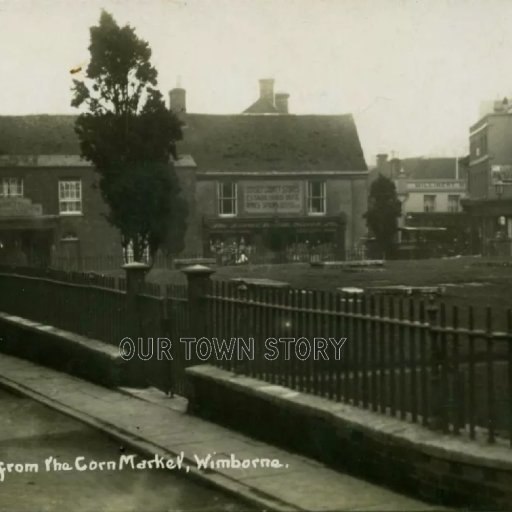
pixel 30 433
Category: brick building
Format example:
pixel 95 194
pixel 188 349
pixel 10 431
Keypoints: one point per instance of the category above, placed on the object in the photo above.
pixel 268 173
pixel 301 178
pixel 431 191
pixel 49 207
pixel 490 181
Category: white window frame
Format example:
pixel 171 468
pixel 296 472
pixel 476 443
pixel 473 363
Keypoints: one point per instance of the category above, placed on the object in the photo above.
pixel 427 209
pixel 11 187
pixel 453 198
pixel 232 197
pixel 321 197
pixel 68 199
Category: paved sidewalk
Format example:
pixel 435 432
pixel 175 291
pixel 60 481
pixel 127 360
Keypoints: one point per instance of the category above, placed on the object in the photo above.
pixel 152 426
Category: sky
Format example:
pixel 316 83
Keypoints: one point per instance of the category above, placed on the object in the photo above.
pixel 413 73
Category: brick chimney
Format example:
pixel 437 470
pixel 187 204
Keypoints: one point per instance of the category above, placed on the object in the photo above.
pixel 281 99
pixel 395 165
pixel 382 163
pixel 267 89
pixel 178 101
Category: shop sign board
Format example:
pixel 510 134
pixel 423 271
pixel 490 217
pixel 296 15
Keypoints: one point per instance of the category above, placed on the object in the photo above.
pixel 501 174
pixel 273 197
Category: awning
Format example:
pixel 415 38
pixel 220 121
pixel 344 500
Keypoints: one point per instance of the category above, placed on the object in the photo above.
pixel 323 224
pixel 421 228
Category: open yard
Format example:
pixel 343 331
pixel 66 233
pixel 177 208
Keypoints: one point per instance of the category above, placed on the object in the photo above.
pixel 467 280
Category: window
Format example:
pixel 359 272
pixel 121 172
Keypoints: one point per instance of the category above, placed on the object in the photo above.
pixel 429 203
pixel 453 203
pixel 11 187
pixel 128 254
pixel 227 198
pixel 483 143
pixel 316 197
pixel 70 197
pixel 478 146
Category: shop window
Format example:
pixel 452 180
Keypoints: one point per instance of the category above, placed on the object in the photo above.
pixel 227 198
pixel 70 197
pixel 429 203
pixel 316 197
pixel 11 187
pixel 453 203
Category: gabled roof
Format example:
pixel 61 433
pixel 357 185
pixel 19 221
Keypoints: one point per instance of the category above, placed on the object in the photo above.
pixel 243 142
pixel 239 142
pixel 261 106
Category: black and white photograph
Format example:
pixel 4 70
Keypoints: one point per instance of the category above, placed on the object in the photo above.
pixel 255 255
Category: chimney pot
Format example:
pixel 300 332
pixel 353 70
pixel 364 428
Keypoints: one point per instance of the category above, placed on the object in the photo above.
pixel 177 100
pixel 281 99
pixel 396 165
pixel 382 159
pixel 267 89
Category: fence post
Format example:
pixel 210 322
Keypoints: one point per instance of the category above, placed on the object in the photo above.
pixel 135 273
pixel 198 278
pixel 436 399
pixel 243 327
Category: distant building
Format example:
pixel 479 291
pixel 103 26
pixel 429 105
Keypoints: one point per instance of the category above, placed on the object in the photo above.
pixel 489 201
pixel 302 179
pixel 431 191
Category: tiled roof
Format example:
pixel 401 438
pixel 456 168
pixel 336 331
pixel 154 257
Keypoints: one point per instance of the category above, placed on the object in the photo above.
pixel 38 135
pixel 273 142
pixel 240 142
pixel 431 168
pixel 422 168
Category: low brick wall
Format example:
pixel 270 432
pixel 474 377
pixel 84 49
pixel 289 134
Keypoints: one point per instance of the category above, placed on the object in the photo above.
pixel 71 353
pixel 409 458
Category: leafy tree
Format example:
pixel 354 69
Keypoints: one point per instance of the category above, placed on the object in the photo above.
pixel 128 134
pixel 173 238
pixel 384 209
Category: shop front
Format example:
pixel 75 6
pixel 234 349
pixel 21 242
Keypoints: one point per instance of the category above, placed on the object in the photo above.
pixel 26 235
pixel 276 239
pixel 491 222
pixel 444 233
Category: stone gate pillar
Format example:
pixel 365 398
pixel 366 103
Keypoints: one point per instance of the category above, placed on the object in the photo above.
pixel 198 277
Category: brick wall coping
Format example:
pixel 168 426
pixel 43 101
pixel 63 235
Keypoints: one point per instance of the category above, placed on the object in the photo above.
pixel 410 435
pixel 110 351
